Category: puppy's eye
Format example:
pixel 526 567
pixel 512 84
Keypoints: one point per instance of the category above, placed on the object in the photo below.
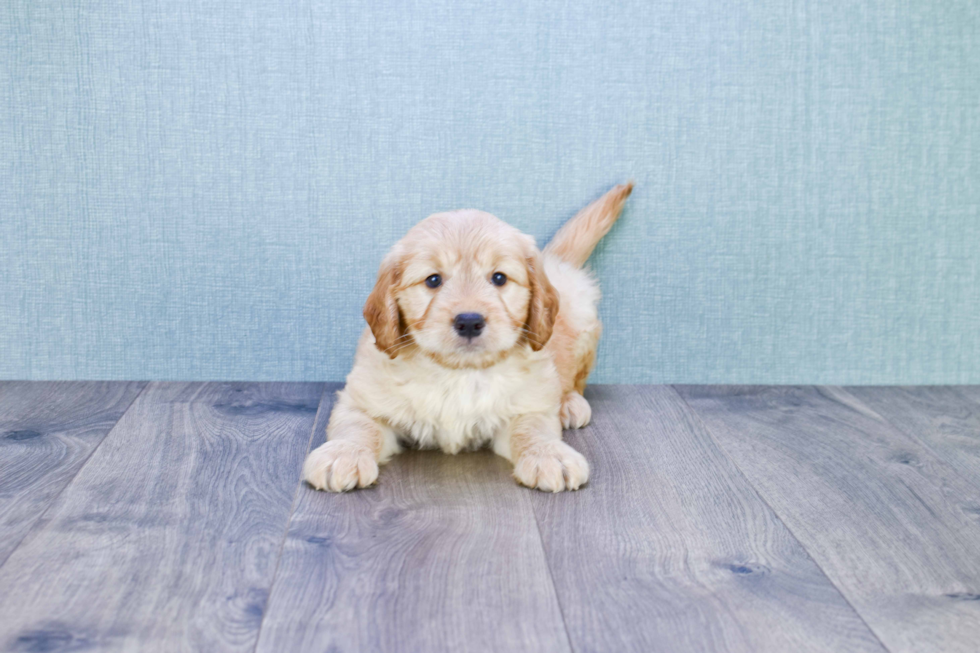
pixel 498 278
pixel 433 281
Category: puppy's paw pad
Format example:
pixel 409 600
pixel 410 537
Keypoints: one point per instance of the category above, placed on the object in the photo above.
pixel 552 467
pixel 575 411
pixel 338 466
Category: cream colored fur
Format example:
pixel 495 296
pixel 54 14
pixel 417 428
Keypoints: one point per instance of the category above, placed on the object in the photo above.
pixel 415 382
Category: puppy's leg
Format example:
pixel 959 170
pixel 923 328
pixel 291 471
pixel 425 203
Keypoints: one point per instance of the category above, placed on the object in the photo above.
pixel 541 460
pixel 575 411
pixel 350 456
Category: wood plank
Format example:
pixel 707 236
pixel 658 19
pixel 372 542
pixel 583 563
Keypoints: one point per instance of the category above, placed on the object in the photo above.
pixel 669 548
pixel 946 420
pixel 972 392
pixel 888 522
pixel 47 432
pixel 167 539
pixel 442 555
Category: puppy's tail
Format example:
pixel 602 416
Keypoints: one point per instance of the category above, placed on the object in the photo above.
pixel 575 241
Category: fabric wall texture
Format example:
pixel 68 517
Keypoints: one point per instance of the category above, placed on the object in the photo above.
pixel 203 190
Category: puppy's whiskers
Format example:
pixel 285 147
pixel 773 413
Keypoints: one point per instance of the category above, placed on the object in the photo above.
pixel 399 347
pixel 530 336
pixel 400 343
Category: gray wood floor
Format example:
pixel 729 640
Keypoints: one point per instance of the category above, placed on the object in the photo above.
pixel 169 517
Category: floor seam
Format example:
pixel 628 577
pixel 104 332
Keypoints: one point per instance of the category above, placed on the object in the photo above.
pixel 551 576
pixel 765 501
pixel 37 525
pixel 289 518
pixel 910 434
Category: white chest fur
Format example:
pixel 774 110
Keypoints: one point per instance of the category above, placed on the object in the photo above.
pixel 455 409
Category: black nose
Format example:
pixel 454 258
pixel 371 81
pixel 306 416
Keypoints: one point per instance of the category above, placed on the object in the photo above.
pixel 469 325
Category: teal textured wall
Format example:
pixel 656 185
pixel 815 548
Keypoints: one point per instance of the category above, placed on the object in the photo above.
pixel 203 190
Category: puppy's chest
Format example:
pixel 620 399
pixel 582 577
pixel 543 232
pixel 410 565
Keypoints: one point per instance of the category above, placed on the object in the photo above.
pixel 456 410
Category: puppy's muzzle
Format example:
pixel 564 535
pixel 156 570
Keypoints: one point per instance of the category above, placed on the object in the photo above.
pixel 469 325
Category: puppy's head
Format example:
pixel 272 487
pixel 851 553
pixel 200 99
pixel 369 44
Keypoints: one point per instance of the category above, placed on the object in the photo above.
pixel 465 288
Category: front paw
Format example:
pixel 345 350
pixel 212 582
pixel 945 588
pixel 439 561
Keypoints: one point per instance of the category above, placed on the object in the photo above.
pixel 338 466
pixel 551 466
pixel 575 411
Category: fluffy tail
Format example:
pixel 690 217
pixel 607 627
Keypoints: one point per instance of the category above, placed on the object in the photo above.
pixel 575 241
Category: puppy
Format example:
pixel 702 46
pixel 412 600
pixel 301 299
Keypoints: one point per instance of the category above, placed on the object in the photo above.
pixel 475 337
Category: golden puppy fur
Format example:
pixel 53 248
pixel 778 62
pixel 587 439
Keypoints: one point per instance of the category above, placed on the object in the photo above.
pixel 417 381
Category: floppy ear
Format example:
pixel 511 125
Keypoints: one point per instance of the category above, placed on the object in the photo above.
pixel 543 308
pixel 381 310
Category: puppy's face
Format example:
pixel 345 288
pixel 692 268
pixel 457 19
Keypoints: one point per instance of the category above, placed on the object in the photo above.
pixel 465 288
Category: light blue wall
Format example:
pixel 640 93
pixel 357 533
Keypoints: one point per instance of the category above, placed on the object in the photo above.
pixel 203 190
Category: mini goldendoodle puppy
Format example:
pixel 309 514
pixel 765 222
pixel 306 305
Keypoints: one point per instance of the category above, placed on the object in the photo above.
pixel 475 337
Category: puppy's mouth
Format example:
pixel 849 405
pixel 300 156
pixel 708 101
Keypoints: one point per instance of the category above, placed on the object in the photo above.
pixel 469 355
pixel 468 340
pixel 456 351
pixel 469 352
pixel 474 345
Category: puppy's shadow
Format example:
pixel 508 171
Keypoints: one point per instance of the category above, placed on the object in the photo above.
pixel 443 473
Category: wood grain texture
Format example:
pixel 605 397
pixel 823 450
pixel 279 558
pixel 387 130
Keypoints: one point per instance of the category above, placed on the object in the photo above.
pixel 167 539
pixel 670 549
pixel 944 419
pixel 47 432
pixel 442 555
pixel 892 526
